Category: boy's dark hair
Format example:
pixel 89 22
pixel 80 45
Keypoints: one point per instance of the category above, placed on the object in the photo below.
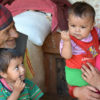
pixel 82 9
pixel 5 57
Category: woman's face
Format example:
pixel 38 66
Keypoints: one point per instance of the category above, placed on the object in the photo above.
pixel 8 37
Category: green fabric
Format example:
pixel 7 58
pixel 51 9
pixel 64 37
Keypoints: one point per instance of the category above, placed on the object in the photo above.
pixel 74 77
pixel 30 92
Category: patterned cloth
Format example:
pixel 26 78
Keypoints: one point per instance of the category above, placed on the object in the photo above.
pixel 30 92
pixel 5 17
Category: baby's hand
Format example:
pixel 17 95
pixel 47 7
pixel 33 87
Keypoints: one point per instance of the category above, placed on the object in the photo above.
pixel 91 75
pixel 65 35
pixel 18 86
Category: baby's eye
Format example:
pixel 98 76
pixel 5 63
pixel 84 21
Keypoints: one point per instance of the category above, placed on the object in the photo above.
pixel 72 25
pixel 83 27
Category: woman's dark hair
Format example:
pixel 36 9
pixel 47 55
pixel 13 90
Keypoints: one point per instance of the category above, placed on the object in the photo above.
pixel 5 57
pixel 82 9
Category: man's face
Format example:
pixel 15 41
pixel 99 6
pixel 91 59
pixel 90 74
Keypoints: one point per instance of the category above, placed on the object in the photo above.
pixel 8 37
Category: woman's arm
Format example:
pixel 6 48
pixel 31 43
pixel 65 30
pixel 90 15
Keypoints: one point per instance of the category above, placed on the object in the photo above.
pixel 86 93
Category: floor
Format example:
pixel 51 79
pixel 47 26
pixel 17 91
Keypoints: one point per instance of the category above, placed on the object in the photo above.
pixel 56 97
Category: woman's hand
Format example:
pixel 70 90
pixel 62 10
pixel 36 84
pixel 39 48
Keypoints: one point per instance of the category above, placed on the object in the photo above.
pixel 86 93
pixel 91 75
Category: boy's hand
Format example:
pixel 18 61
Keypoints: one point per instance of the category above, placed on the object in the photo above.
pixel 17 88
pixel 91 75
pixel 65 35
pixel 19 85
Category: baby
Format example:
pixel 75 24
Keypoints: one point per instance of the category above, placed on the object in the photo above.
pixel 80 44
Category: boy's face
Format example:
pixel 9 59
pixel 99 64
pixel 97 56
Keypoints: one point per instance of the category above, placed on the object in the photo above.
pixel 8 37
pixel 80 27
pixel 15 70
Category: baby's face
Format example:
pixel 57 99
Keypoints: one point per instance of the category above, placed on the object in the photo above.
pixel 80 27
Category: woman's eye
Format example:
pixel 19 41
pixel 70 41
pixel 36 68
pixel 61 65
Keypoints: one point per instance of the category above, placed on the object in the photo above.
pixel 7 31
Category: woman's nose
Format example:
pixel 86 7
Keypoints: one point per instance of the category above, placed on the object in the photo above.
pixel 14 33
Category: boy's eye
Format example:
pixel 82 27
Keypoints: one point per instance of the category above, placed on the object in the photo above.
pixel 17 67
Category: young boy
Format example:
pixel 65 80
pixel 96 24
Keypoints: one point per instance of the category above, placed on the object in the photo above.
pixel 13 84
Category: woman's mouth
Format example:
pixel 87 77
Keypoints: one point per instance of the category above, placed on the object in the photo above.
pixel 11 43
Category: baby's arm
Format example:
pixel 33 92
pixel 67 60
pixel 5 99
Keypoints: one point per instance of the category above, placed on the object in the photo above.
pixel 67 49
pixel 91 75
pixel 18 87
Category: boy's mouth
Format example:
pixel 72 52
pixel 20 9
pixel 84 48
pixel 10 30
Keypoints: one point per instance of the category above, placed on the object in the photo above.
pixel 22 77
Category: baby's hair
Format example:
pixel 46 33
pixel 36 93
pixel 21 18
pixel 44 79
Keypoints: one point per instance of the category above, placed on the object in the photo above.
pixel 6 55
pixel 82 9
